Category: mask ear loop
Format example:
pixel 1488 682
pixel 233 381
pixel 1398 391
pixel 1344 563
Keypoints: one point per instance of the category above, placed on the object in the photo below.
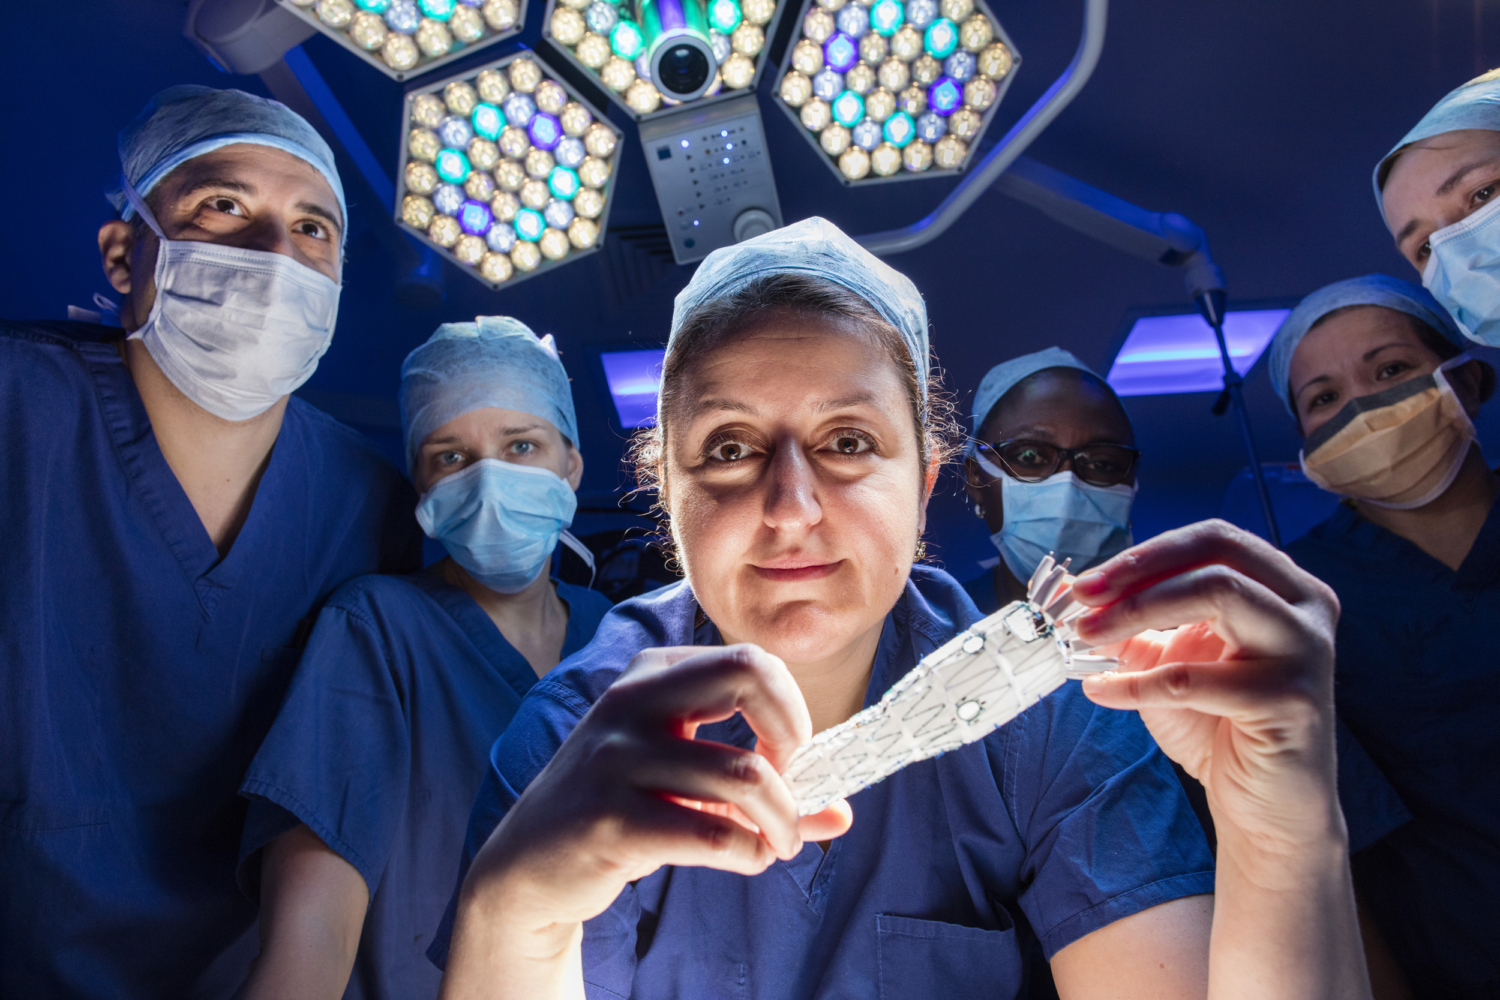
pixel 582 551
pixel 139 204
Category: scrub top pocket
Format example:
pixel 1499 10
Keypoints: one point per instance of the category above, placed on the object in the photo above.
pixel 922 959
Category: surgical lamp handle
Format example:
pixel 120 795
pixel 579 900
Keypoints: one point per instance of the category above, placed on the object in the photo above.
pixel 1021 135
pixel 1211 305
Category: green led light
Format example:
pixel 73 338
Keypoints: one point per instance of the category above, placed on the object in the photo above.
pixel 438 10
pixel 886 16
pixel 941 38
pixel 627 41
pixel 488 120
pixel 563 183
pixel 900 130
pixel 452 166
pixel 848 109
pixel 529 225
pixel 724 15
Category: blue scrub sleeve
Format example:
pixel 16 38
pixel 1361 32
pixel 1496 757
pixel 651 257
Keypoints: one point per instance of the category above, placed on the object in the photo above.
pixel 339 755
pixel 1372 807
pixel 546 717
pixel 1107 828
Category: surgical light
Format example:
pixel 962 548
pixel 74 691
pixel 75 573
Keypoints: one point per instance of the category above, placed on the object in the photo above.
pixel 921 80
pixel 405 38
pixel 946 96
pixel 1178 353
pixel 724 16
pixel 488 121
pixel 841 52
pixel 886 16
pixel 634 379
pixel 941 38
pixel 657 54
pixel 530 188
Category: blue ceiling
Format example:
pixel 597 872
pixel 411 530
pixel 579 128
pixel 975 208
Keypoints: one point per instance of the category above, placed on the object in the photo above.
pixel 1258 120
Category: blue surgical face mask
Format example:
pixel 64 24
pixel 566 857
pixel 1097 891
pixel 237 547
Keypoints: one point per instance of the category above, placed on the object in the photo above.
pixel 1463 273
pixel 499 520
pixel 1062 515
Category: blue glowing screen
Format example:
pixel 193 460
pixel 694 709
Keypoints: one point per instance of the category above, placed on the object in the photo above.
pixel 634 377
pixel 1166 354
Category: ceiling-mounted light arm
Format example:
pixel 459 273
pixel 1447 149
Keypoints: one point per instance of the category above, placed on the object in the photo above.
pixel 1021 135
pixel 1164 237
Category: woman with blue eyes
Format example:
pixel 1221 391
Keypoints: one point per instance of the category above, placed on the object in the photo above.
pixel 360 793
pixel 1376 374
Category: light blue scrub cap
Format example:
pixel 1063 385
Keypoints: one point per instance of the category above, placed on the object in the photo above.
pixel 1003 378
pixel 818 248
pixel 1474 105
pixel 1371 290
pixel 493 361
pixel 187 121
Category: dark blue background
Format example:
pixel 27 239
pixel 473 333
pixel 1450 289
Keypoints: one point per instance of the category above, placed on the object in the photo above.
pixel 1259 120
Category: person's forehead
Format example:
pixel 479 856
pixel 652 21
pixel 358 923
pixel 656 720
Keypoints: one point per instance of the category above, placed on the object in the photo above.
pixel 1421 170
pixel 1348 333
pixel 1060 399
pixel 262 169
pixel 491 422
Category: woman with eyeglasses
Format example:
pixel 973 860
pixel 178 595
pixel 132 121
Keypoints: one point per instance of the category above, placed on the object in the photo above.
pixel 1051 468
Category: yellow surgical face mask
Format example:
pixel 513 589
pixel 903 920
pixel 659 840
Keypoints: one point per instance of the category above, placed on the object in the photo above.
pixel 1398 448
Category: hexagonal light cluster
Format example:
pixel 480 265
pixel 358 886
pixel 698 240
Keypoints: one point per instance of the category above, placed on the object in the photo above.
pixel 408 37
pixel 506 170
pixel 892 89
pixel 607 40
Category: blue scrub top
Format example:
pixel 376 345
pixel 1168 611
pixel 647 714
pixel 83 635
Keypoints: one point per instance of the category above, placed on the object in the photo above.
pixel 981 591
pixel 1418 685
pixel 379 748
pixel 1059 823
pixel 139 671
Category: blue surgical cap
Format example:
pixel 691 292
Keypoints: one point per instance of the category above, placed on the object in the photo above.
pixel 1371 290
pixel 493 361
pixel 1474 105
pixel 1003 378
pixel 184 122
pixel 818 248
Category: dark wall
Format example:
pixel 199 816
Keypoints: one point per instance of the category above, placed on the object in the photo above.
pixel 1259 120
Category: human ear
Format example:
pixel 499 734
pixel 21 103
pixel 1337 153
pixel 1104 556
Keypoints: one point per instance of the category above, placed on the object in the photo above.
pixel 971 481
pixel 1469 382
pixel 575 468
pixel 116 245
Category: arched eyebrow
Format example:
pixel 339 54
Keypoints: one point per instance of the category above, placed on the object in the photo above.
pixel 1454 179
pixel 312 208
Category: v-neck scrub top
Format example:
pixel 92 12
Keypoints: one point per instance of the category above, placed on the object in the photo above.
pixel 379 748
pixel 139 670
pixel 1417 683
pixel 1055 825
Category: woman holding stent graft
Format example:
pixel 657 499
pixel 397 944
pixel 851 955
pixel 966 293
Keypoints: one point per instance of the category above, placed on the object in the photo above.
pixel 633 838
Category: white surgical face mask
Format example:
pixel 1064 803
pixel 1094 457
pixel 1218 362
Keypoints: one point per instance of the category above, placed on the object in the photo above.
pixel 235 330
pixel 1062 515
pixel 1463 273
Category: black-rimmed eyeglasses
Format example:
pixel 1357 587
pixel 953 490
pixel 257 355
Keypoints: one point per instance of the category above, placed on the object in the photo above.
pixel 1033 461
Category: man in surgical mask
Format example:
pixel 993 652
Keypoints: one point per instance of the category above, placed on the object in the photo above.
pixel 1373 370
pixel 360 795
pixel 1051 469
pixel 174 520
pixel 1436 190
